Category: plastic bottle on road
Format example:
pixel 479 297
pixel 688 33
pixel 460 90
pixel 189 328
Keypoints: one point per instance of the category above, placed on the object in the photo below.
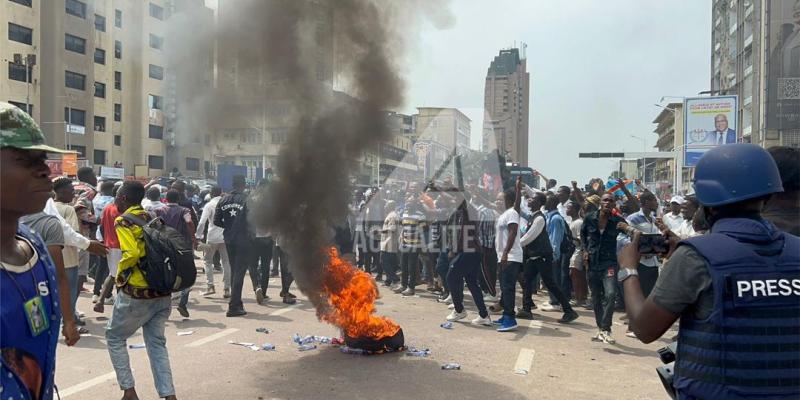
pixel 307 347
pixel 451 366
pixel 447 325
pixel 268 347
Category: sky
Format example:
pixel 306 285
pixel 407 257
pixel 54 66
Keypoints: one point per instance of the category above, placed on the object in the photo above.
pixel 596 70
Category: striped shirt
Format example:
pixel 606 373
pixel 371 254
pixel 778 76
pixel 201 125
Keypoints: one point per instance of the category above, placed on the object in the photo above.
pixel 486 221
pixel 412 226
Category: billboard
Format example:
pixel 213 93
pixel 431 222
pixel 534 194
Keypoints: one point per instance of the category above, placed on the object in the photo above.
pixel 783 73
pixel 708 122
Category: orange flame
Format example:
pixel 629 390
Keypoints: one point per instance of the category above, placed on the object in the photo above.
pixel 351 294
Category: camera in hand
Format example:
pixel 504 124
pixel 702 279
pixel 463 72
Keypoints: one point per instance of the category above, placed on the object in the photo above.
pixel 653 243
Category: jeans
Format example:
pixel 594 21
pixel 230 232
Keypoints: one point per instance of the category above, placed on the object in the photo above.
pixel 409 264
pixel 128 316
pixel 390 264
pixel 647 278
pixel 603 284
pixel 208 258
pixel 466 266
pixel 241 259
pixel 443 268
pixel 262 256
pixel 560 271
pixel 428 261
pixel 72 279
pixel 488 276
pixel 544 268
pixel 508 284
pixel 184 300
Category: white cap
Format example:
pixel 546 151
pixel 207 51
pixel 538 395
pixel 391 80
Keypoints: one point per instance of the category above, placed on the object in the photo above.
pixel 677 199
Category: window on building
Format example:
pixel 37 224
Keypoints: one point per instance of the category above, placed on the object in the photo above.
pixel 23 2
pixel 156 11
pixel 74 43
pixel 118 18
pixel 156 42
pixel 100 56
pixel 74 116
pixel 207 166
pixel 192 164
pixel 279 135
pixel 22 106
pixel 100 90
pixel 156 72
pixel 117 49
pixel 117 140
pixel 156 132
pixel 17 72
pixel 155 162
pixel 80 149
pixel 155 102
pixel 117 112
pixel 118 80
pixel 76 8
pixel 99 124
pixel 99 157
pixel 19 33
pixel 74 80
pixel 99 22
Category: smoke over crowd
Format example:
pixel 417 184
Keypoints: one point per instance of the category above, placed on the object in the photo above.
pixel 281 43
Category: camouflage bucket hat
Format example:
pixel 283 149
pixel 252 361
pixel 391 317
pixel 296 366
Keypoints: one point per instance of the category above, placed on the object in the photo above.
pixel 18 130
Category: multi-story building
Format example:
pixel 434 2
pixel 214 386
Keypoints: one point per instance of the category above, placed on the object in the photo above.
pixel 447 126
pixel 98 83
pixel 754 46
pixel 669 128
pixel 506 103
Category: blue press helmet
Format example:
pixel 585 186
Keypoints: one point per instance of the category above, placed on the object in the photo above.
pixel 735 172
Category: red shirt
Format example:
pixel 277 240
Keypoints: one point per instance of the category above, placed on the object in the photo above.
pixel 110 215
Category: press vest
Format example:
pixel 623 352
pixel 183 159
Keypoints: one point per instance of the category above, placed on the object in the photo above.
pixel 749 347
pixel 540 247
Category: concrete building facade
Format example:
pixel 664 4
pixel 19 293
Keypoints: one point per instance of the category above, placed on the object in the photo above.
pixel 669 128
pixel 506 104
pixel 98 85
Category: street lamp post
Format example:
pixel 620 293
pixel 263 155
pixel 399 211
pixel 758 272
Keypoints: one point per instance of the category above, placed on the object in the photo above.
pixel 644 159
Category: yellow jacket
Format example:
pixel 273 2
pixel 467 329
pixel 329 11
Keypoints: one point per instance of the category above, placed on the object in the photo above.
pixel 131 242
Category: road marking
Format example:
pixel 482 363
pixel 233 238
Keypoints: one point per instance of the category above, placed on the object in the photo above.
pixel 85 385
pixel 536 326
pixel 284 310
pixel 524 361
pixel 212 338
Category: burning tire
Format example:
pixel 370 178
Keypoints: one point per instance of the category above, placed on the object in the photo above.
pixel 387 344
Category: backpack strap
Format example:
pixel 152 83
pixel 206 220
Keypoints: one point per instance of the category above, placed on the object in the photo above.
pixel 134 219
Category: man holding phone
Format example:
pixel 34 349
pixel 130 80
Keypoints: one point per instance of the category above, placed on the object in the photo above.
pixel 644 221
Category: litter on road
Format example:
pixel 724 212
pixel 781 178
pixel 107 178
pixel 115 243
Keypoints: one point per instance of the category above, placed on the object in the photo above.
pixel 451 366
pixel 447 325
pixel 185 333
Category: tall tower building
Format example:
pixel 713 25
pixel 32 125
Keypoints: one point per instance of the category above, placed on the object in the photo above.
pixel 506 103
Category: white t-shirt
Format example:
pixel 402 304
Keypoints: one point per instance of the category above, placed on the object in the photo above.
pixel 508 217
pixel 673 222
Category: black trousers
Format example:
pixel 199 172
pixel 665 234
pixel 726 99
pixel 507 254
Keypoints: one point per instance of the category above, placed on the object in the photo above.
pixel 282 259
pixel 466 266
pixel 242 260
pixel 100 275
pixel 262 258
pixel 545 269
pixel 409 267
pixel 488 276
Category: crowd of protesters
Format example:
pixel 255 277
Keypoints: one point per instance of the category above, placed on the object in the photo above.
pixel 437 234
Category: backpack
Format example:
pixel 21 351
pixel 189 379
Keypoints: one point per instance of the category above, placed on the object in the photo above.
pixel 568 242
pixel 168 265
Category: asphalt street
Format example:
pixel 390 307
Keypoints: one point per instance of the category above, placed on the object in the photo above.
pixel 562 361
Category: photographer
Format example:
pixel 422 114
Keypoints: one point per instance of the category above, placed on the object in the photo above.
pixel 735 289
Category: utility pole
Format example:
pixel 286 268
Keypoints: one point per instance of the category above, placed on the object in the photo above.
pixel 27 62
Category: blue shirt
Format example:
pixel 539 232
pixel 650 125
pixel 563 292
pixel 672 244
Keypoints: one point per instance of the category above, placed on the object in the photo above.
pixel 555 230
pixel 15 333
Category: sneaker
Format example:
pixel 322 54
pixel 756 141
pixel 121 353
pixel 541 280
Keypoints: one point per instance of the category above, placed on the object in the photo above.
pixel 489 298
pixel 573 302
pixel 598 337
pixel 568 317
pixel 524 314
pixel 183 311
pixel 456 316
pixel 551 307
pixel 226 293
pixel 289 300
pixel 399 288
pixel 510 324
pixel 482 321
pixel 451 306
pixel 607 339
pixel 630 334
pixel 95 298
pixel 236 312
pixel 408 292
pixel 500 320
pixel 448 299
pixel 259 296
pixel 209 291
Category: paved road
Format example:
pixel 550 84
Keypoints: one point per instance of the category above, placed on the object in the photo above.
pixel 563 362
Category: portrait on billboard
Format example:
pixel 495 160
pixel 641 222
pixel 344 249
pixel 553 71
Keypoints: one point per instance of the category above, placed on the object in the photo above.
pixel 783 79
pixel 708 122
